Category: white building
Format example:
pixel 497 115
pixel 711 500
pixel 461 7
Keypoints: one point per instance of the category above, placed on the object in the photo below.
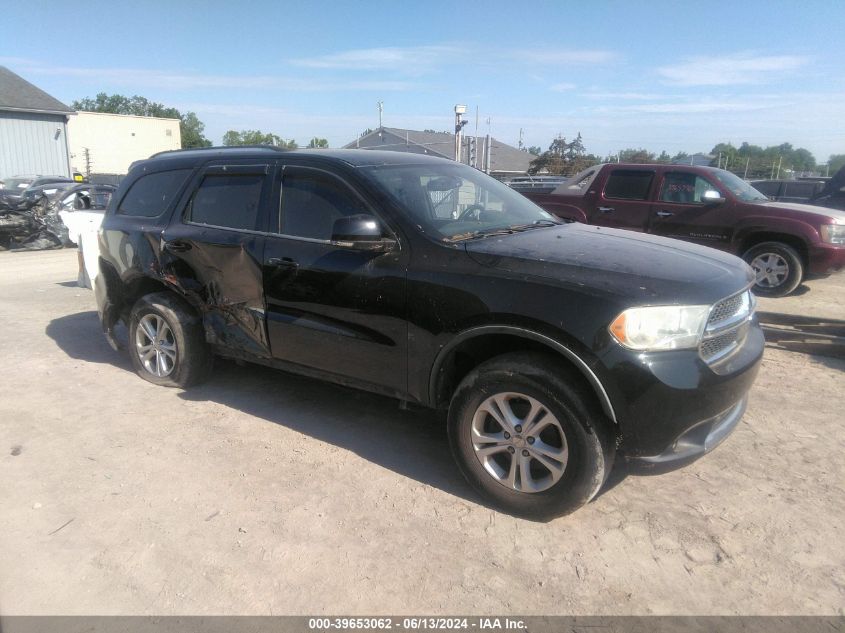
pixel 115 141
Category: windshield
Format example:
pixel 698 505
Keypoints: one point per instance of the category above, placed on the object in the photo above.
pixel 455 202
pixel 739 187
pixel 16 183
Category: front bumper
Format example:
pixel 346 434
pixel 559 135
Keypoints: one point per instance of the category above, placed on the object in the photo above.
pixel 700 439
pixel 825 259
pixel 673 406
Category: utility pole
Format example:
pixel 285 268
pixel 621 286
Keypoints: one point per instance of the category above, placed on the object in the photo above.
pixel 780 162
pixel 460 110
pixel 475 162
pixel 745 175
pixel 520 138
pixel 380 111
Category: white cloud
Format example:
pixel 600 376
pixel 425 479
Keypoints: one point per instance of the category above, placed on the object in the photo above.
pixel 411 58
pixel 563 57
pixel 626 96
pixel 564 87
pixel 740 68
pixel 152 78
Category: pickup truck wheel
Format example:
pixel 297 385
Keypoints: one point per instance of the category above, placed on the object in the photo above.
pixel 167 343
pixel 778 268
pixel 527 439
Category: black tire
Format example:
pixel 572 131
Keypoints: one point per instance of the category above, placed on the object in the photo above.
pixel 183 337
pixel 779 256
pixel 591 449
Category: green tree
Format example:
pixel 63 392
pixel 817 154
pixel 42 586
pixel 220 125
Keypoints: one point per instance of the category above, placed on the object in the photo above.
pixel 256 137
pixel 664 157
pixel 317 142
pixel 563 158
pixel 535 150
pixel 835 163
pixel 640 155
pixel 191 127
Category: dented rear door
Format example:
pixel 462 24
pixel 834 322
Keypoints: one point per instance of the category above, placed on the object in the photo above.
pixel 212 252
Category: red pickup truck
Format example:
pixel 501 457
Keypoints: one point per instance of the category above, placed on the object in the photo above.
pixel 783 242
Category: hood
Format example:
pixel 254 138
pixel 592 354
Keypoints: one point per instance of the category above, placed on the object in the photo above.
pixel 837 216
pixel 643 269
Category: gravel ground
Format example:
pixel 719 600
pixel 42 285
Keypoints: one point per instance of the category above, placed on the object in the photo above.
pixel 265 493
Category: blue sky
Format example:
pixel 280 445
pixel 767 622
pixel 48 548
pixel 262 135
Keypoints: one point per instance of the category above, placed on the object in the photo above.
pixel 660 75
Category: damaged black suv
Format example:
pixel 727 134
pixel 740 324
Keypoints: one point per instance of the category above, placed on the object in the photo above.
pixel 552 346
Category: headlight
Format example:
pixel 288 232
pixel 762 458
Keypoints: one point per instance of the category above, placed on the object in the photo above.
pixel 660 327
pixel 833 233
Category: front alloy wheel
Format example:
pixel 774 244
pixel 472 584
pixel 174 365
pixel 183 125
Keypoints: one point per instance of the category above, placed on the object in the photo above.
pixel 529 435
pixel 519 442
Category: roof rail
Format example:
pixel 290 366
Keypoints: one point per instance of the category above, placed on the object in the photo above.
pixel 219 148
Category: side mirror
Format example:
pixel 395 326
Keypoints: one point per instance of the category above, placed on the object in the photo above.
pixel 712 197
pixel 361 232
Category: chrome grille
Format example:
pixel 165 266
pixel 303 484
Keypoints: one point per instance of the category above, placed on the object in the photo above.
pixel 726 309
pixel 714 346
pixel 726 326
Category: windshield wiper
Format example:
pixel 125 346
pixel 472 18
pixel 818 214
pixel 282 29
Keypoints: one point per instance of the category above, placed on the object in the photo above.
pixel 503 230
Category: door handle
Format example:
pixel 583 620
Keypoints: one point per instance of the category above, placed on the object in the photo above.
pixel 177 246
pixel 665 214
pixel 283 262
pixel 606 209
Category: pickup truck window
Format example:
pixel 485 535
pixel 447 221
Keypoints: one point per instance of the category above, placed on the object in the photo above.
pixel 738 186
pixel 311 202
pixel 684 188
pixel 628 184
pixel 800 189
pixel 151 194
pixel 227 200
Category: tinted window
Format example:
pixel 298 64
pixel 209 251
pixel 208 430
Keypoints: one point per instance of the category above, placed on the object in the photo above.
pixel 230 200
pixel 629 185
pixel 767 188
pixel 684 188
pixel 150 196
pixel 312 201
pixel 800 189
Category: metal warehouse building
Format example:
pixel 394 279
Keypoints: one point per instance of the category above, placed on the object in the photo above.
pixel 33 130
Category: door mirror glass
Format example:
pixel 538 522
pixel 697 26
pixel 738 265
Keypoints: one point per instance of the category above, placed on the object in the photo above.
pixel 361 232
pixel 712 196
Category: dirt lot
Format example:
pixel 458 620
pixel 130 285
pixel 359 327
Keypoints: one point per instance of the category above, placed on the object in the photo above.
pixel 263 493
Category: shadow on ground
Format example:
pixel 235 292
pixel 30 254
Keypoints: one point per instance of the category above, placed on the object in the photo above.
pixel 807 334
pixel 411 442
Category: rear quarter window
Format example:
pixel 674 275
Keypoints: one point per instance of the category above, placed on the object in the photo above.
pixel 151 194
pixel 628 184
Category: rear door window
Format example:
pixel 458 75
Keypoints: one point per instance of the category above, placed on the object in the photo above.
pixel 228 200
pixel 152 194
pixel 627 184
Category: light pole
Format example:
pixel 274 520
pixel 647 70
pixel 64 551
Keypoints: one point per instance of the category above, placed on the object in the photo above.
pixel 460 110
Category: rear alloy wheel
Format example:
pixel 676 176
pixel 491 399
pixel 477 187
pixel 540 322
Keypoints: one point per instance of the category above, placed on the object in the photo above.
pixel 777 266
pixel 167 342
pixel 529 436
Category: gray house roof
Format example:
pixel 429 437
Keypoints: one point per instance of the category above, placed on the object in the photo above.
pixel 504 158
pixel 18 95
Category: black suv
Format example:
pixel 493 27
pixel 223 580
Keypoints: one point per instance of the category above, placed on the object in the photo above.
pixel 552 346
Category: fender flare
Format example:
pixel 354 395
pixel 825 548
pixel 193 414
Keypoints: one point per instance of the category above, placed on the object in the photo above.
pixel 563 350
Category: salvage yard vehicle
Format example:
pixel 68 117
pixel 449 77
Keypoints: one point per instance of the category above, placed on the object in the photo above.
pixel 81 209
pixel 552 347
pixel 783 242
